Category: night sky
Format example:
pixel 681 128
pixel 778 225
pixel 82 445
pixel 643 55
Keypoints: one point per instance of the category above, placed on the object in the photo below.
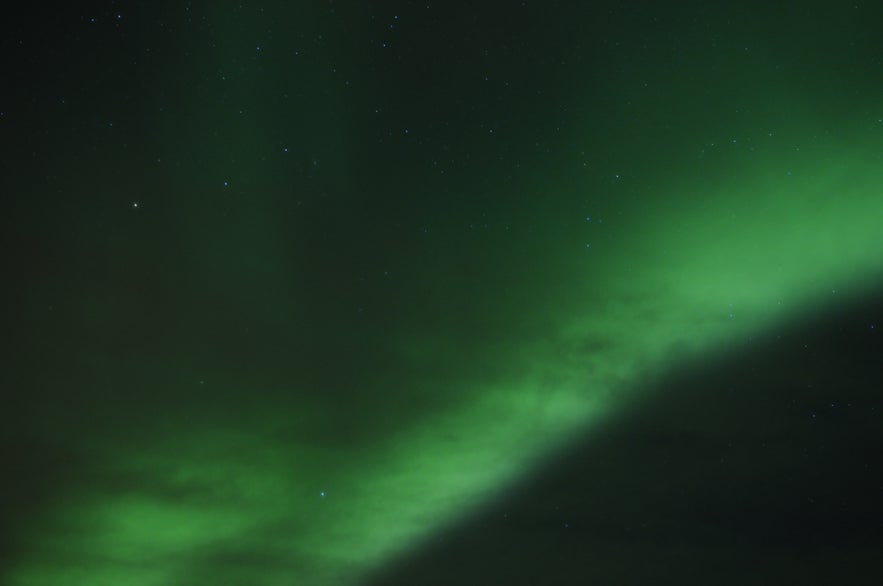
pixel 332 293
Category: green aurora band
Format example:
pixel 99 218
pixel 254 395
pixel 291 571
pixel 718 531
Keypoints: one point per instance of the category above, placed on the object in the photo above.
pixel 257 481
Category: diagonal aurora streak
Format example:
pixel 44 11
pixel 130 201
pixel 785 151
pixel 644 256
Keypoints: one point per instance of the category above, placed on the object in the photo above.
pixel 495 348
pixel 238 494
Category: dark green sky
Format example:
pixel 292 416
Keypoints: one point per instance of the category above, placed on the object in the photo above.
pixel 295 288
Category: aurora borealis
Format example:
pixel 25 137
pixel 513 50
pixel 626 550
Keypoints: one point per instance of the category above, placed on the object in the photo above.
pixel 297 292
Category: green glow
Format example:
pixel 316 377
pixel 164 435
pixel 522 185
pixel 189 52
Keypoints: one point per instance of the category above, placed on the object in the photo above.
pixel 554 336
pixel 230 490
